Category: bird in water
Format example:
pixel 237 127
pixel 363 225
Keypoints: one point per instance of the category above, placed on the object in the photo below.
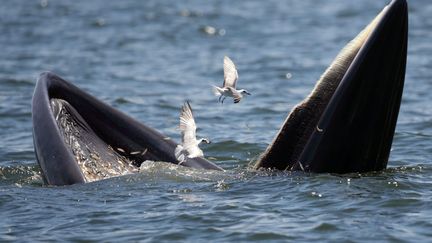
pixel 189 147
pixel 229 85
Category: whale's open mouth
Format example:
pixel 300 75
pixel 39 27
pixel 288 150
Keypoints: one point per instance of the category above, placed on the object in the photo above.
pixel 96 159
pixel 78 138
pixel 347 123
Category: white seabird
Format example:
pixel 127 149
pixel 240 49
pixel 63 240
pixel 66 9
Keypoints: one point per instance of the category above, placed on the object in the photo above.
pixel 229 85
pixel 189 147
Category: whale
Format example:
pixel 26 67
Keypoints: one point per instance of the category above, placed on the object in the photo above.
pixel 78 138
pixel 346 124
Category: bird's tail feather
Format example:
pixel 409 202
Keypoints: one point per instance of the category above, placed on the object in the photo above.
pixel 179 154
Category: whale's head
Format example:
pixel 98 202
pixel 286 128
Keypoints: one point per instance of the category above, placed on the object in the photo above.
pixel 347 122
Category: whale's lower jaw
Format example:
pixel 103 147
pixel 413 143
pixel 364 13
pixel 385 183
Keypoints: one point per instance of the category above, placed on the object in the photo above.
pixel 78 138
pixel 348 121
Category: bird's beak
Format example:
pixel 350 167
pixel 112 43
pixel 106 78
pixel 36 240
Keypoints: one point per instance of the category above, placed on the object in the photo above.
pixel 248 93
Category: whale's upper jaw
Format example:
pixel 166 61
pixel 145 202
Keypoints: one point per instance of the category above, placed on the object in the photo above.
pixel 348 121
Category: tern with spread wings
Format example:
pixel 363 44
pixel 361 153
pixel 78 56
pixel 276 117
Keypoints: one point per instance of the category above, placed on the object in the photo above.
pixel 189 147
pixel 229 85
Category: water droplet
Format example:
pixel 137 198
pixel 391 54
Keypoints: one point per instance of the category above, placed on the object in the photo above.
pixel 43 3
pixel 210 30
pixel 100 22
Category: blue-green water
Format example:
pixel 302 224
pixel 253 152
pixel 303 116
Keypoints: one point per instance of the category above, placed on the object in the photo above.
pixel 146 58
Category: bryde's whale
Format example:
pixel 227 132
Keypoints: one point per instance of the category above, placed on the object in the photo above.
pixel 78 138
pixel 345 125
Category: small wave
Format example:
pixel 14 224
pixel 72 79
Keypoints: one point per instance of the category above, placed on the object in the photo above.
pixel 232 154
pixel 122 100
pixel 98 22
pixel 412 168
pixel 21 175
pixel 16 82
pixel 158 169
pixel 190 13
pixel 264 110
pixel 326 227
